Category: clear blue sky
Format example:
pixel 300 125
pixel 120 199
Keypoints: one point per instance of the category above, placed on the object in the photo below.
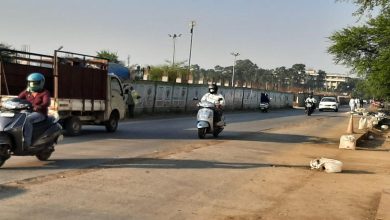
pixel 271 33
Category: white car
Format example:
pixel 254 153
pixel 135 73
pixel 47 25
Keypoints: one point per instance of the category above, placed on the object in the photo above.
pixel 328 103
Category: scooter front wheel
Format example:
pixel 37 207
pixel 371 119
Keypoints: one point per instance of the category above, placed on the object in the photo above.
pixel 4 154
pixel 202 133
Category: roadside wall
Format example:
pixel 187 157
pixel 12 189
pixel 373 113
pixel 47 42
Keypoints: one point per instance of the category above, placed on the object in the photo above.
pixel 177 97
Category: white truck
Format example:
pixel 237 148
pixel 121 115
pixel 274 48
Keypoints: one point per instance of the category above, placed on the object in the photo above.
pixel 82 90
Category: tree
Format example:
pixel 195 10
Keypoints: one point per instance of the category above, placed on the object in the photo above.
pixel 245 71
pixel 5 55
pixel 368 5
pixel 320 82
pixel 106 54
pixel 366 49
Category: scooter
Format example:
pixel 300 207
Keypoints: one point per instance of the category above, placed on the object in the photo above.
pixel 264 106
pixel 205 120
pixel 309 108
pixel 13 116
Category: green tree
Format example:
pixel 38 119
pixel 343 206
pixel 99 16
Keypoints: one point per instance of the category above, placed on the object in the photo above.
pixel 368 5
pixel 366 49
pixel 245 71
pixel 5 55
pixel 106 54
pixel 156 73
pixel 320 81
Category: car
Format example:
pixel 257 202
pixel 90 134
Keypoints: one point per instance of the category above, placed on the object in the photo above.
pixel 328 103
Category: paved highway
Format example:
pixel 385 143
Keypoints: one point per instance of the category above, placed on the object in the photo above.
pixel 145 138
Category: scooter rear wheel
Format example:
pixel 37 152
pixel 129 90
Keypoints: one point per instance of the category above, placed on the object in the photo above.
pixel 44 155
pixel 202 133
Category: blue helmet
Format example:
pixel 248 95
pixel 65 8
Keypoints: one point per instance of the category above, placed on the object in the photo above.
pixel 35 82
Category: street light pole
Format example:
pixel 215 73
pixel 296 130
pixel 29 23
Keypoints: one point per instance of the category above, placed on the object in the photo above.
pixel 234 64
pixel 174 36
pixel 192 24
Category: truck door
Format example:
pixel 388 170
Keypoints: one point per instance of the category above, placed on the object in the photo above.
pixel 117 97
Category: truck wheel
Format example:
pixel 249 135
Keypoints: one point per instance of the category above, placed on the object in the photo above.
pixel 112 123
pixel 73 126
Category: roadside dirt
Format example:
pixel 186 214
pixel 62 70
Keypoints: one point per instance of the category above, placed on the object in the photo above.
pixel 265 176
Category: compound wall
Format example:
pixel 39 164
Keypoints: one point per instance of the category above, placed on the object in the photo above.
pixel 176 97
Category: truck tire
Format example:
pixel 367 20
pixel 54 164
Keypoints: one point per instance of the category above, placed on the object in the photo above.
pixel 73 126
pixel 112 123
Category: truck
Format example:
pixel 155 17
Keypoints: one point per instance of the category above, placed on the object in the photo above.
pixel 82 90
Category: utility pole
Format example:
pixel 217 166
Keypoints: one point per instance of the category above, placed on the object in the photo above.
pixel 192 24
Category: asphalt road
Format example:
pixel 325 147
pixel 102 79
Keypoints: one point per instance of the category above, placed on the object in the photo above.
pixel 142 138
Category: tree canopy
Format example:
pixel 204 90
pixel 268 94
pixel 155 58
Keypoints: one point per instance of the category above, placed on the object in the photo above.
pixel 106 54
pixel 366 49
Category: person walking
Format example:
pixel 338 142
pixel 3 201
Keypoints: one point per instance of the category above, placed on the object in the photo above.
pixel 352 104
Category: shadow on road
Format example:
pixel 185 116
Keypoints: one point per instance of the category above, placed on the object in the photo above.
pixel 9 191
pixel 157 163
pixel 192 135
pixel 168 129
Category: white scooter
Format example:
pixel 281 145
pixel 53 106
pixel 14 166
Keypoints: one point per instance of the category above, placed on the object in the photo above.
pixel 264 106
pixel 205 120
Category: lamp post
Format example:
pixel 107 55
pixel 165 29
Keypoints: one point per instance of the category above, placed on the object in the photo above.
pixel 234 64
pixel 174 36
pixel 192 24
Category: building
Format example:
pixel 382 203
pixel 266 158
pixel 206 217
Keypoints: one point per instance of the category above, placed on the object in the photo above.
pixel 333 80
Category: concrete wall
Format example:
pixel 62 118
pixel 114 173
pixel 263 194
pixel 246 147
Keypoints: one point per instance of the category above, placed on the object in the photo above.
pixel 176 97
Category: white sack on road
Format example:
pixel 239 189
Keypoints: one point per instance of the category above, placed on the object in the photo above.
pixel 329 165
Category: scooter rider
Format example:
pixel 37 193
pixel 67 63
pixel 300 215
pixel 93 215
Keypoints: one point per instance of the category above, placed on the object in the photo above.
pixel 40 100
pixel 216 98
pixel 264 98
pixel 311 100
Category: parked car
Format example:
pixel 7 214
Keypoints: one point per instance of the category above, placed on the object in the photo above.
pixel 328 103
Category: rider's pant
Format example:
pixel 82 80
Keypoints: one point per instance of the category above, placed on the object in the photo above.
pixel 32 118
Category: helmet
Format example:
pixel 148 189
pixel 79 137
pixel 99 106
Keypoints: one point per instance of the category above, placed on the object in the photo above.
pixel 35 82
pixel 213 88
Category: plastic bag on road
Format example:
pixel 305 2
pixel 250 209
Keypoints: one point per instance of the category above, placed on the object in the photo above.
pixel 329 165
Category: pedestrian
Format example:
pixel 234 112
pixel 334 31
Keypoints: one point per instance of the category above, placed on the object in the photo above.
pixel 361 103
pixel 132 100
pixel 357 103
pixel 352 104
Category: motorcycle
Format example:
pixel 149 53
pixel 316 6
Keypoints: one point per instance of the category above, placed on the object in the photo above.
pixel 205 120
pixel 13 116
pixel 309 108
pixel 264 106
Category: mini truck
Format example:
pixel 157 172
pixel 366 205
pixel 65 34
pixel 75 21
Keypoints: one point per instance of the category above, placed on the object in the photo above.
pixel 82 90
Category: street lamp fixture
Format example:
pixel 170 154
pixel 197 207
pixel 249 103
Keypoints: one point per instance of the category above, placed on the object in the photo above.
pixel 174 36
pixel 234 64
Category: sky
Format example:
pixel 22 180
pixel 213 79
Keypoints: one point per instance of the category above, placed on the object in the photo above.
pixel 270 33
